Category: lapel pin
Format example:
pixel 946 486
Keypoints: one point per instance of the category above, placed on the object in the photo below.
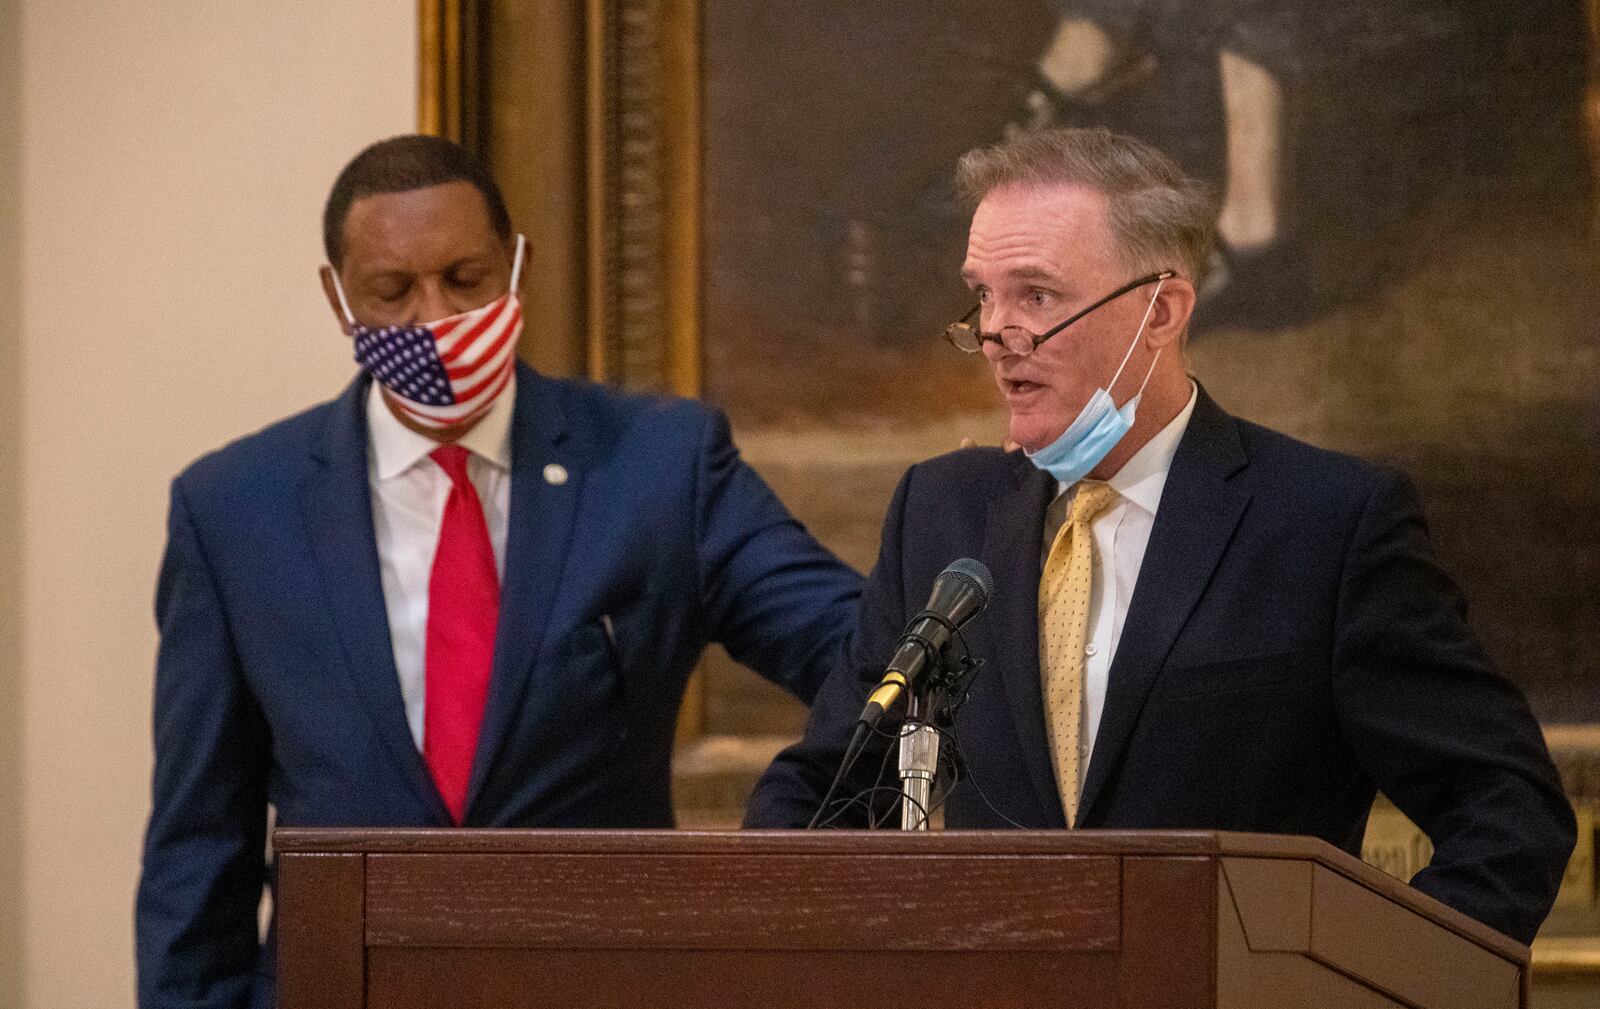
pixel 555 474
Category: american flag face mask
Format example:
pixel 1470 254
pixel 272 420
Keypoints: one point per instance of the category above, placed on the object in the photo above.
pixel 446 373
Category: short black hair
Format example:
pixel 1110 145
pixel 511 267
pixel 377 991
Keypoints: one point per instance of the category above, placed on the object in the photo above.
pixel 399 165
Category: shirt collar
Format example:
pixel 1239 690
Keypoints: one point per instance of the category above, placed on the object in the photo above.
pixel 396 448
pixel 1143 477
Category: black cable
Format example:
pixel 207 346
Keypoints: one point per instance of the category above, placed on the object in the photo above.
pixel 961 757
pixel 898 789
pixel 938 799
pixel 873 823
pixel 861 798
pixel 954 776
pixel 883 765
pixel 875 819
pixel 852 753
pixel 845 804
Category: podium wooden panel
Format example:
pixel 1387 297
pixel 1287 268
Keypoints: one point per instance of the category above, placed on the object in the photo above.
pixel 395 919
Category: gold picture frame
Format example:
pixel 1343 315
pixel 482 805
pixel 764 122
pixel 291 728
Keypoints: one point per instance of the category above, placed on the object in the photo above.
pixel 627 72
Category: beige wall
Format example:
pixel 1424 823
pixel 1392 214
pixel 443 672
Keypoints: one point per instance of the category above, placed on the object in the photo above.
pixel 174 157
pixel 10 510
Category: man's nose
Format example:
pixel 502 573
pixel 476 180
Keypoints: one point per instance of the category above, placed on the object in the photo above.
pixel 994 351
pixel 994 323
pixel 432 303
pixel 999 316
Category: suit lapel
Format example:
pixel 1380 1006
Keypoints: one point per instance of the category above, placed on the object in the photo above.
pixel 1198 514
pixel 336 501
pixel 546 477
pixel 1012 541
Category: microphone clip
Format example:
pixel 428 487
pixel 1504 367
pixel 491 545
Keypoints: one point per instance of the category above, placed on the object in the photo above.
pixel 937 673
pixel 955 688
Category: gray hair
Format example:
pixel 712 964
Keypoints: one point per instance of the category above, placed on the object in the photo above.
pixel 1159 218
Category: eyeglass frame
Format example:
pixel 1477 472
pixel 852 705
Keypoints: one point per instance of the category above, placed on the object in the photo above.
pixel 1037 340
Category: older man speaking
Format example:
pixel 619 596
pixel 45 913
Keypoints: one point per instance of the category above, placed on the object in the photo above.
pixel 1197 622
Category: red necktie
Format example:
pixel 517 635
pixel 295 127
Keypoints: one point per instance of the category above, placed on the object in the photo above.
pixel 463 609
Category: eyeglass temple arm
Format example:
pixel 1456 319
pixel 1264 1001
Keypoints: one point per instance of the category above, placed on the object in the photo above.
pixel 1119 292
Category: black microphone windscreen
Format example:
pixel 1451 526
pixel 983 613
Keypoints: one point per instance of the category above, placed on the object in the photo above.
pixel 977 572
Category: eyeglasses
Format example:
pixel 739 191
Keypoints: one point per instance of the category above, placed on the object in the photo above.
pixel 967 336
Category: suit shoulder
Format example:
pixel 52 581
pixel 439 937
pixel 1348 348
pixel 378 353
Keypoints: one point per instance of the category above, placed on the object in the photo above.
pixel 1306 469
pixel 274 454
pixel 624 428
pixel 600 407
pixel 968 464
pixel 968 475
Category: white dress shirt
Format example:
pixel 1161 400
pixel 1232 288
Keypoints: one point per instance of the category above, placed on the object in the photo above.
pixel 1121 533
pixel 409 491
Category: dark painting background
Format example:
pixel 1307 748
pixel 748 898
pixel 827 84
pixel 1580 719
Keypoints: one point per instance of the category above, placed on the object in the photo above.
pixel 1425 293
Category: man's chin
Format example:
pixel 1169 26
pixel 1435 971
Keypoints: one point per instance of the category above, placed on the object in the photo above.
pixel 1030 437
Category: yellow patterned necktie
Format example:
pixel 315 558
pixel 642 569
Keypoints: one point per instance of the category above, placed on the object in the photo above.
pixel 1064 593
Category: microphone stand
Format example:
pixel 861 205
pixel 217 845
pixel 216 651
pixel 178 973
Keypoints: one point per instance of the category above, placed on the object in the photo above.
pixel 931 700
pixel 919 761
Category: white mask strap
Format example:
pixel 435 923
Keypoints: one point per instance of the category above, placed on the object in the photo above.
pixel 1153 360
pixel 349 316
pixel 344 306
pixel 516 263
pixel 1136 337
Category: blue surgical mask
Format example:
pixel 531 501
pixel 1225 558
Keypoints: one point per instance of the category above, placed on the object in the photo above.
pixel 1099 425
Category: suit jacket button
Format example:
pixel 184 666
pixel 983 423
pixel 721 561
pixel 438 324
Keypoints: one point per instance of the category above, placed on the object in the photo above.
pixel 555 474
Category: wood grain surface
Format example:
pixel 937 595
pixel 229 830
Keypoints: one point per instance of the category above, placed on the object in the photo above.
pixel 887 902
pixel 761 979
pixel 321 944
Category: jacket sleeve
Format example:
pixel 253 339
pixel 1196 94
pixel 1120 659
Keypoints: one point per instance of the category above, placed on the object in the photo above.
pixel 777 599
pixel 1447 737
pixel 204 850
pixel 793 787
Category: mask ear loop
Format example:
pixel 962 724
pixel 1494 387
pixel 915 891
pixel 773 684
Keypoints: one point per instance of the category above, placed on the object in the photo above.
pixel 344 306
pixel 516 262
pixel 1135 343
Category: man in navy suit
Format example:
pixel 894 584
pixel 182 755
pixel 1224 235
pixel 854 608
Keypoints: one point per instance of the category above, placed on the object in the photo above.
pixel 462 593
pixel 1196 622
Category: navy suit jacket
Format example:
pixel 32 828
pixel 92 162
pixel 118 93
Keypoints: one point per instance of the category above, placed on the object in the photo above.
pixel 276 683
pixel 1291 646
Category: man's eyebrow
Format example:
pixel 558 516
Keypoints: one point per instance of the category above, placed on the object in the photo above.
pixel 384 274
pixel 1026 272
pixel 1034 273
pixel 483 259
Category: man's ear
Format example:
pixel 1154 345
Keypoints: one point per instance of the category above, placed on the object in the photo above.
pixel 326 272
pixel 1170 317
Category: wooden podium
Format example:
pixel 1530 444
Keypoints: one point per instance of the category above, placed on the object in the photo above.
pixel 412 918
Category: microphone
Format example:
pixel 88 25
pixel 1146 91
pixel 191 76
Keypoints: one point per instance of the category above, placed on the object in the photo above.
pixel 960 593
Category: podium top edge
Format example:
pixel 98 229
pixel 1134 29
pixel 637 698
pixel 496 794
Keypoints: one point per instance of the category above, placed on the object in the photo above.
pixel 391 840
pixel 382 841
